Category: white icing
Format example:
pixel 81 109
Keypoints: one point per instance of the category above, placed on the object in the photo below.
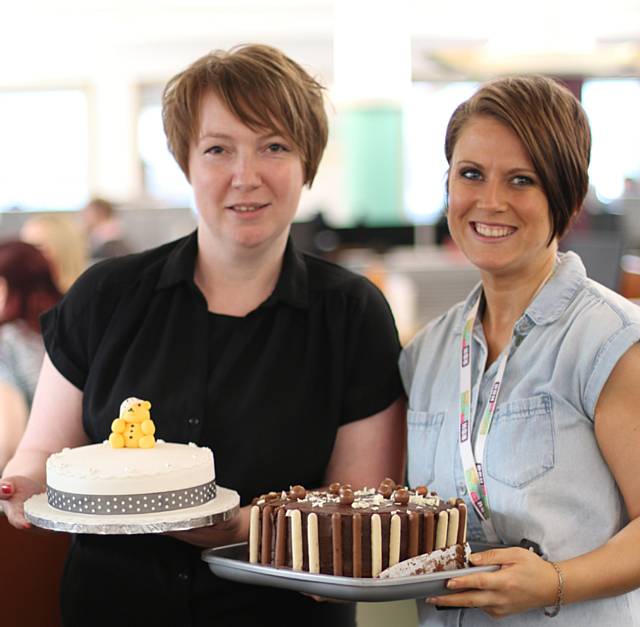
pixel 425 500
pixel 100 469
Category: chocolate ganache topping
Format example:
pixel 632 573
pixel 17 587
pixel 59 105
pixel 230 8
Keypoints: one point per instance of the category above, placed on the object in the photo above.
pixel 350 532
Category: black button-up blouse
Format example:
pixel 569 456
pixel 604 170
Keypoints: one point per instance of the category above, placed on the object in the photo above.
pixel 266 392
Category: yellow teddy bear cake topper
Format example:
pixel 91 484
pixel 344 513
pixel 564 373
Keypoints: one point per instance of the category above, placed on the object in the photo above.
pixel 134 427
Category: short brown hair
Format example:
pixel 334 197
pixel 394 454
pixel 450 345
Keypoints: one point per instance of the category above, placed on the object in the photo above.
pixel 553 128
pixel 262 87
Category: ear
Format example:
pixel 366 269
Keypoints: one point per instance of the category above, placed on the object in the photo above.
pixel 147 405
pixel 4 293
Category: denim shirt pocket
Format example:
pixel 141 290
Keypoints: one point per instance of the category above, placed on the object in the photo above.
pixel 521 441
pixel 423 431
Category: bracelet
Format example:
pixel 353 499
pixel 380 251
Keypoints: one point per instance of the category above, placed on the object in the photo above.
pixel 555 610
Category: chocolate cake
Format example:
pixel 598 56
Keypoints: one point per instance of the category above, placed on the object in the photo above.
pixel 350 533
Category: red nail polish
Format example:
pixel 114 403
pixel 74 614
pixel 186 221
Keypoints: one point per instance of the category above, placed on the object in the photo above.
pixel 6 488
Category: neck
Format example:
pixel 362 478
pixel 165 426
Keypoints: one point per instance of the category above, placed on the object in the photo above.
pixel 234 282
pixel 506 300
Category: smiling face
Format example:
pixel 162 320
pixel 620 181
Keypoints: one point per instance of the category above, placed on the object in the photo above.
pixel 246 182
pixel 498 211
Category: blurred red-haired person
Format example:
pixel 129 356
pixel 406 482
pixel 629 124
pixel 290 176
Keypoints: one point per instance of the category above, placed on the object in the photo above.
pixel 27 289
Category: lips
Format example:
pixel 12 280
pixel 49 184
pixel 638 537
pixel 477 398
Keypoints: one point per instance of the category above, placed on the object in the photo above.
pixel 247 207
pixel 493 231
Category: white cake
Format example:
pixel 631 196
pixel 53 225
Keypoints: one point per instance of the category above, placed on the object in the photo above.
pixel 98 479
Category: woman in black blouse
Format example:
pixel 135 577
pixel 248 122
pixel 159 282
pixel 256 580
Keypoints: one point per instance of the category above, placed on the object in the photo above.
pixel 285 365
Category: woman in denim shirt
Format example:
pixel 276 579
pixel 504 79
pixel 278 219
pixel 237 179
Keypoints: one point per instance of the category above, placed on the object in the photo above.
pixel 524 399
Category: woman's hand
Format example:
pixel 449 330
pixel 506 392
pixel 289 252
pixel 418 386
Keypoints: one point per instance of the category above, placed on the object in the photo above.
pixel 228 532
pixel 14 491
pixel 524 582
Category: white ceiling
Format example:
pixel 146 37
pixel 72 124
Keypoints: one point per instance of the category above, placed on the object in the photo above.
pixel 71 40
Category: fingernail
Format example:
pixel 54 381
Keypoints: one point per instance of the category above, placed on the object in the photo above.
pixel 452 583
pixel 431 600
pixel 26 526
pixel 6 488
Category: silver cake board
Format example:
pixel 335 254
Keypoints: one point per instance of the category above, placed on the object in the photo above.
pixel 222 508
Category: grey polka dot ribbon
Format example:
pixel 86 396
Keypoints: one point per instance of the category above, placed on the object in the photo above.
pixel 131 504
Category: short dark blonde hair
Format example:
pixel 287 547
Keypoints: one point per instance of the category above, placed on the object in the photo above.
pixel 554 129
pixel 262 87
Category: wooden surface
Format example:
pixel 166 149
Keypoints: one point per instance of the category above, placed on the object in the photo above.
pixel 31 564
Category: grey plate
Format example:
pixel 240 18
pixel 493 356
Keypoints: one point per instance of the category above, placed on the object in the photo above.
pixel 230 562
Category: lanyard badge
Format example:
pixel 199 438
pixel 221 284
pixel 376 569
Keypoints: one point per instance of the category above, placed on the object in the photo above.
pixel 472 456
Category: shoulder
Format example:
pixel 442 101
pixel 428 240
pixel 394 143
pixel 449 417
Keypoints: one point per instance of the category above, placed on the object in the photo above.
pixel 425 356
pixel 115 277
pixel 574 300
pixel 107 285
pixel 326 275
pixel 436 333
pixel 598 318
pixel 129 269
pixel 596 300
pixel 604 325
pixel 328 280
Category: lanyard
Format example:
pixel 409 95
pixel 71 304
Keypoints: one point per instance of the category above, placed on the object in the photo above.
pixel 472 460
pixel 472 455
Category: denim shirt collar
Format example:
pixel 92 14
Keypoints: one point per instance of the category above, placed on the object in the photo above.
pixel 559 292
pixel 554 298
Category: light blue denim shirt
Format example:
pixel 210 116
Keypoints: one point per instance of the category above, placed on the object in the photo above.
pixel 546 479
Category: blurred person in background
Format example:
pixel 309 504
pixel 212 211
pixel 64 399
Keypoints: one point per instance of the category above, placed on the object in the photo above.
pixel 26 290
pixel 284 364
pixel 104 230
pixel 62 242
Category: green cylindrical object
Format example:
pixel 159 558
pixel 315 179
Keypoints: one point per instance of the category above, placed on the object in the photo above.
pixel 373 146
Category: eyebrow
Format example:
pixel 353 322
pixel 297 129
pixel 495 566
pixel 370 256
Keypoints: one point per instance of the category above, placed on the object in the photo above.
pixel 213 135
pixel 515 170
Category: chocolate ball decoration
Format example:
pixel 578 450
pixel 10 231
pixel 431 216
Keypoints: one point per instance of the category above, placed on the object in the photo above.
pixel 386 489
pixel 334 488
pixel 401 496
pixel 298 492
pixel 422 490
pixel 346 496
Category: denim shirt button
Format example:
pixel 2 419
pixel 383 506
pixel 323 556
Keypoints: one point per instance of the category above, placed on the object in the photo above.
pixel 462 488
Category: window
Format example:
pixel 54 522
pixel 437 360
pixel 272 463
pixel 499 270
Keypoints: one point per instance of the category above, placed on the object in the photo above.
pixel 44 156
pixel 612 106
pixel 163 178
pixel 426 116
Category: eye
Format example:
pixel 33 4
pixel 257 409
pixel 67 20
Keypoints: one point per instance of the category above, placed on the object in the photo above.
pixel 276 148
pixel 471 174
pixel 214 150
pixel 522 180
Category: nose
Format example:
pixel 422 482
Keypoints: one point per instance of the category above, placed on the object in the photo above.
pixel 246 173
pixel 491 196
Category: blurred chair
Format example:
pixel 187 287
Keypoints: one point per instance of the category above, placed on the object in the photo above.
pixel 32 565
pixel 600 251
pixel 630 277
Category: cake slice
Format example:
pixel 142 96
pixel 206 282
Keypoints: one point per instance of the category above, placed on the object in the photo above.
pixel 452 558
